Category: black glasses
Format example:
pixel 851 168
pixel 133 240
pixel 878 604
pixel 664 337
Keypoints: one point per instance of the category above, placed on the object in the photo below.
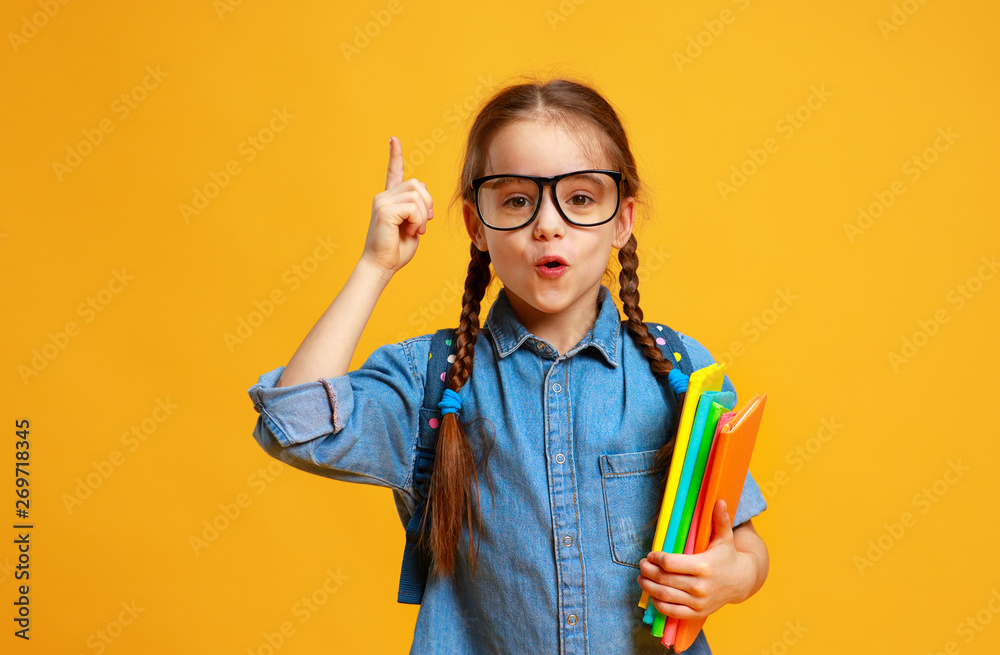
pixel 584 198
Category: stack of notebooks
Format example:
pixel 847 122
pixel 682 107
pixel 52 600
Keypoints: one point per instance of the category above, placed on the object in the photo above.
pixel 710 462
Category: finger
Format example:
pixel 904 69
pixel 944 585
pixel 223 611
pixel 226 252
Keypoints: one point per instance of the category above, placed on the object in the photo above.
pixel 394 175
pixel 722 528
pixel 676 610
pixel 425 195
pixel 412 221
pixel 656 575
pixel 669 600
pixel 674 563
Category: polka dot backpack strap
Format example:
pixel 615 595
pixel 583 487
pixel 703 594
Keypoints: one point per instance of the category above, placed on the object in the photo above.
pixel 416 561
pixel 673 349
pixel 671 345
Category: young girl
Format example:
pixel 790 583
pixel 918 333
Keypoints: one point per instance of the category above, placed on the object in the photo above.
pixel 555 431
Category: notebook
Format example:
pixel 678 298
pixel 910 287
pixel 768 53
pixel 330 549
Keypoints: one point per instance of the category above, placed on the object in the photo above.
pixel 708 378
pixel 725 477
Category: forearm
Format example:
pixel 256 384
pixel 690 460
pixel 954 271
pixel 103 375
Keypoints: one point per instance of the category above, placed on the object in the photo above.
pixel 754 553
pixel 327 349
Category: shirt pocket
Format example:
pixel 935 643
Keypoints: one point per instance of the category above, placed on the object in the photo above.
pixel 631 485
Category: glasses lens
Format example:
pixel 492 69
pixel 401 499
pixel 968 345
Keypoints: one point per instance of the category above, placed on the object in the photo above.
pixel 586 198
pixel 507 201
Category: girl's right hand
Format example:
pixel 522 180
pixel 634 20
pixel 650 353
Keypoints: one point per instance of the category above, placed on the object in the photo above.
pixel 399 216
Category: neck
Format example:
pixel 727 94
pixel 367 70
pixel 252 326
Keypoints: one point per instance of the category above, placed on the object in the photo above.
pixel 564 329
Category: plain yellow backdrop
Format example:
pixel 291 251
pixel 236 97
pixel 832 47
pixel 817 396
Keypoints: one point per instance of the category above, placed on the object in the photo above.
pixel 842 158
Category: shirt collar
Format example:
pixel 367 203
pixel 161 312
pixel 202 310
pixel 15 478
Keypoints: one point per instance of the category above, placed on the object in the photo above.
pixel 509 334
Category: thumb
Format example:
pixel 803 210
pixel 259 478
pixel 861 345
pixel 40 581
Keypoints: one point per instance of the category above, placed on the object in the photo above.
pixel 722 528
pixel 395 173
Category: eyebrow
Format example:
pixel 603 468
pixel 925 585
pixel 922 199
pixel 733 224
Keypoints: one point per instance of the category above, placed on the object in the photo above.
pixel 591 176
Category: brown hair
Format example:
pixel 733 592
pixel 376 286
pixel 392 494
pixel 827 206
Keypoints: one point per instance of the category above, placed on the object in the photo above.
pixel 578 108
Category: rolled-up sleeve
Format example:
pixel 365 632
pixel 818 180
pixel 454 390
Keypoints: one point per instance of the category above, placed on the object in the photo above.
pixel 752 500
pixel 359 427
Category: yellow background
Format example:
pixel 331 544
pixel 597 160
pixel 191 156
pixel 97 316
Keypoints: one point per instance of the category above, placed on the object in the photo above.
pixel 223 74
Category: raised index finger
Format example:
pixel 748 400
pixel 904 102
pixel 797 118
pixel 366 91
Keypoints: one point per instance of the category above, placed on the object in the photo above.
pixel 395 173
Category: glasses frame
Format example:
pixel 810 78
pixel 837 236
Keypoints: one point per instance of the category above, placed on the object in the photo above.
pixel 541 183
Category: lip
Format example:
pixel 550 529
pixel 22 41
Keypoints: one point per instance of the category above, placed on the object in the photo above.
pixel 553 271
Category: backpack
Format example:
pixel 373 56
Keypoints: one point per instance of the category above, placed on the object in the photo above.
pixel 416 560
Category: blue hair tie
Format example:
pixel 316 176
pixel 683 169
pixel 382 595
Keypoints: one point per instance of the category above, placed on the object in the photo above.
pixel 677 380
pixel 450 403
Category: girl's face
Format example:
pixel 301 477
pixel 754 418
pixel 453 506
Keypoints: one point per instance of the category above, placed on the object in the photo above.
pixel 532 147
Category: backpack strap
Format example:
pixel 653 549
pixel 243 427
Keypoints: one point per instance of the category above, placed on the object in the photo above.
pixel 672 346
pixel 416 560
pixel 673 350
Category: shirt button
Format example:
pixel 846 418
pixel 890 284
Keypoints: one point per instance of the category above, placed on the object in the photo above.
pixel 557 387
pixel 571 619
pixel 567 541
pixel 560 458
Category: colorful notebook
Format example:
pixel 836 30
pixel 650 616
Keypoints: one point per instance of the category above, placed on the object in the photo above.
pixel 705 420
pixel 726 475
pixel 708 378
pixel 670 632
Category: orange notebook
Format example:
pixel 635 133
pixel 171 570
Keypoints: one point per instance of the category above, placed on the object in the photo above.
pixel 725 476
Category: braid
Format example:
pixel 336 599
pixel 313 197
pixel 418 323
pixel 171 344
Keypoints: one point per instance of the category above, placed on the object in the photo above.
pixel 454 479
pixel 629 293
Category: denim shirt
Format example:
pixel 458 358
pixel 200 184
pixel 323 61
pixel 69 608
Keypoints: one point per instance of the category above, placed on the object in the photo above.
pixel 571 470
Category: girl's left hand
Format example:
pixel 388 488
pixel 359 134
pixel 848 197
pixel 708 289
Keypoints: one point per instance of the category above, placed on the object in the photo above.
pixel 694 586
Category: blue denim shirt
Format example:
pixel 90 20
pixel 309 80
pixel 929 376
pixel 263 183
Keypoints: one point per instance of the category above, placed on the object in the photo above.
pixel 563 531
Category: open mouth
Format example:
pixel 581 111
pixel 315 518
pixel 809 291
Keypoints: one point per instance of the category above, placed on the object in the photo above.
pixel 552 268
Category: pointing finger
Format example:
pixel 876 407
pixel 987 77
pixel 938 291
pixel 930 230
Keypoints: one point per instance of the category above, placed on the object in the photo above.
pixel 395 173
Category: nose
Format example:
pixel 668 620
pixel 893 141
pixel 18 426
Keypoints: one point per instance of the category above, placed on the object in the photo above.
pixel 548 222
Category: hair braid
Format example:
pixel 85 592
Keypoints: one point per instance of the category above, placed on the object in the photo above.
pixel 629 293
pixel 454 481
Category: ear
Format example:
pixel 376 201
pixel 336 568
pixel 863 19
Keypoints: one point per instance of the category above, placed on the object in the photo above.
pixel 624 222
pixel 475 227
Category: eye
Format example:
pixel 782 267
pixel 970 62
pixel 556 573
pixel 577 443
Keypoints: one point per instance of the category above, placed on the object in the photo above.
pixel 573 200
pixel 515 202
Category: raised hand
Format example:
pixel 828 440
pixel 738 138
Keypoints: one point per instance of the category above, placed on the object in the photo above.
pixel 399 216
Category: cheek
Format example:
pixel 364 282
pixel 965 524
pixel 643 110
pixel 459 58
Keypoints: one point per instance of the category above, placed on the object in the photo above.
pixel 502 259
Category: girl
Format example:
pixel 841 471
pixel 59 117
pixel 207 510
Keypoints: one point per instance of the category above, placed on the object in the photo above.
pixel 573 420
